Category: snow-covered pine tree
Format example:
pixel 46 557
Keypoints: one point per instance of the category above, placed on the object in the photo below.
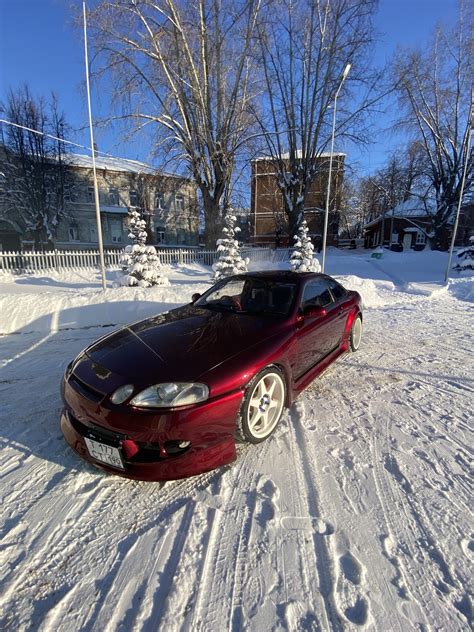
pixel 230 260
pixel 302 258
pixel 140 264
pixel 466 257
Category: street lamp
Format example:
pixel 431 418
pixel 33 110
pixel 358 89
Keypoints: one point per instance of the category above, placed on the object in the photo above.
pixel 94 168
pixel 328 193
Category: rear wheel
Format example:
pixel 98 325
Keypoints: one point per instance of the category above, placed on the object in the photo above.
pixel 262 406
pixel 355 334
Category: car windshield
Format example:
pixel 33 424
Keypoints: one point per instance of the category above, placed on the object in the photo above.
pixel 250 296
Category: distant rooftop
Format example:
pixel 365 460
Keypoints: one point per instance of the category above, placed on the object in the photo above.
pixel 115 164
pixel 413 207
pixel 286 155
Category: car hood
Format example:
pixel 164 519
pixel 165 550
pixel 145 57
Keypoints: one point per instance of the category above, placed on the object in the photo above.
pixel 180 345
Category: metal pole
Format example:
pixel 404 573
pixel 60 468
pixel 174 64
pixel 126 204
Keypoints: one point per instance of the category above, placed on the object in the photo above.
pixel 463 180
pixel 96 187
pixel 328 193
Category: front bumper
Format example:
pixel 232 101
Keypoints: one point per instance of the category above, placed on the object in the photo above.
pixel 209 427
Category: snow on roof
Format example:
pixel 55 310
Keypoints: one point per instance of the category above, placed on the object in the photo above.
pixel 115 164
pixel 413 207
pixel 285 156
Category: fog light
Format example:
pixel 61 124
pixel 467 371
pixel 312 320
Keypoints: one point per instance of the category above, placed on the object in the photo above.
pixel 176 447
pixel 122 394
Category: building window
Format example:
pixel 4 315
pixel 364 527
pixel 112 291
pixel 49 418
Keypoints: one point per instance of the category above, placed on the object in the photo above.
pixel 93 234
pixel 179 202
pixel 420 238
pixel 116 230
pixel 133 198
pixel 114 199
pixel 90 195
pixel 73 232
pixel 160 235
pixel 159 201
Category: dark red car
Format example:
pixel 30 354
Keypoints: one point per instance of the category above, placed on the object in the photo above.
pixel 168 397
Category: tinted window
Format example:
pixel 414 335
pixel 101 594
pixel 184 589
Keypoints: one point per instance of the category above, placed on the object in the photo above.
pixel 316 293
pixel 337 290
pixel 251 296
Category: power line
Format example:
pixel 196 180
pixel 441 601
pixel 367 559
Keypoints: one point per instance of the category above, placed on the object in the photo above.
pixel 66 142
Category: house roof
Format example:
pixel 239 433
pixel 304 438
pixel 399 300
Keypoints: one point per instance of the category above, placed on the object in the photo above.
pixel 116 164
pixel 413 207
pixel 285 156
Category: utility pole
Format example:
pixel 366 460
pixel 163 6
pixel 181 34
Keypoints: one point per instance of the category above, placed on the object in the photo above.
pixel 94 169
pixel 467 156
pixel 328 193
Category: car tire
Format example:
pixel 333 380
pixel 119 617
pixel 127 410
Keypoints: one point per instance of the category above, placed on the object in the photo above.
pixel 355 334
pixel 262 406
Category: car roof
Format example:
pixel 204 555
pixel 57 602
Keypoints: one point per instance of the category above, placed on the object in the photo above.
pixel 283 275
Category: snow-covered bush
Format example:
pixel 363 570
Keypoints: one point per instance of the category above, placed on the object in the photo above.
pixel 140 264
pixel 302 258
pixel 230 260
pixel 466 257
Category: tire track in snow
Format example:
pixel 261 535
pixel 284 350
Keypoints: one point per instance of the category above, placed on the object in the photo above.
pixel 307 477
pixel 404 524
pixel 76 548
pixel 221 583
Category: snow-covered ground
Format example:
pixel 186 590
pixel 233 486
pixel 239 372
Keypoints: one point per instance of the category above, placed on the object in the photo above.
pixel 354 515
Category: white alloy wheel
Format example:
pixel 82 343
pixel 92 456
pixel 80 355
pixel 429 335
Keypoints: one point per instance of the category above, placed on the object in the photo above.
pixel 356 334
pixel 262 406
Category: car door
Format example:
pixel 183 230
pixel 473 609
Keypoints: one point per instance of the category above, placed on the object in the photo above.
pixel 316 336
pixel 342 306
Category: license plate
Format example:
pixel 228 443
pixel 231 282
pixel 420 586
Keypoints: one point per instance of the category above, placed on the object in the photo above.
pixel 104 453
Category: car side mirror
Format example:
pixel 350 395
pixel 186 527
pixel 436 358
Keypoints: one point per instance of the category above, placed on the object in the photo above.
pixel 195 297
pixel 314 311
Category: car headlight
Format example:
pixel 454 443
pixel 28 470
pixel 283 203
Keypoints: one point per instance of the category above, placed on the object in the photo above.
pixel 121 394
pixel 170 395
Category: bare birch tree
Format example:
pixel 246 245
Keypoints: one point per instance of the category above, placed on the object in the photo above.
pixel 35 182
pixel 434 86
pixel 304 48
pixel 186 66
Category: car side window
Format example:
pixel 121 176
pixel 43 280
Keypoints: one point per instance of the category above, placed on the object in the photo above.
pixel 316 294
pixel 232 288
pixel 337 290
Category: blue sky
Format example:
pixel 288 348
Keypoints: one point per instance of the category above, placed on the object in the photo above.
pixel 40 45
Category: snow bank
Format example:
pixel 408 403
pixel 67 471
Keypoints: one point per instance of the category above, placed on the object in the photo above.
pixel 462 289
pixel 74 300
pixel 50 312
pixel 374 293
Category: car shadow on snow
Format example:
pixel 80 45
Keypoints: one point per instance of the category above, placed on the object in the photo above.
pixel 32 363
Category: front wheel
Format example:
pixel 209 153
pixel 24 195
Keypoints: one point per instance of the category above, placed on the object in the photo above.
pixel 262 406
pixel 355 334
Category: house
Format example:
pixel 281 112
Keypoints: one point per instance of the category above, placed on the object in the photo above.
pixel 168 203
pixel 410 224
pixel 268 222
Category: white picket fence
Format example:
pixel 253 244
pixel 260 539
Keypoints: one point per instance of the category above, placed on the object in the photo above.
pixel 31 262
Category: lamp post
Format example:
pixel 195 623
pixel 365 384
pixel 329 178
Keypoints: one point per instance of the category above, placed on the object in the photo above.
pixel 94 169
pixel 467 156
pixel 328 193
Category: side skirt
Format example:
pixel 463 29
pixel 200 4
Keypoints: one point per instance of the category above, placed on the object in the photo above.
pixel 306 379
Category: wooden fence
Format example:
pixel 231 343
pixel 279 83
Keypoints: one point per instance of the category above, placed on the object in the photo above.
pixel 31 262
